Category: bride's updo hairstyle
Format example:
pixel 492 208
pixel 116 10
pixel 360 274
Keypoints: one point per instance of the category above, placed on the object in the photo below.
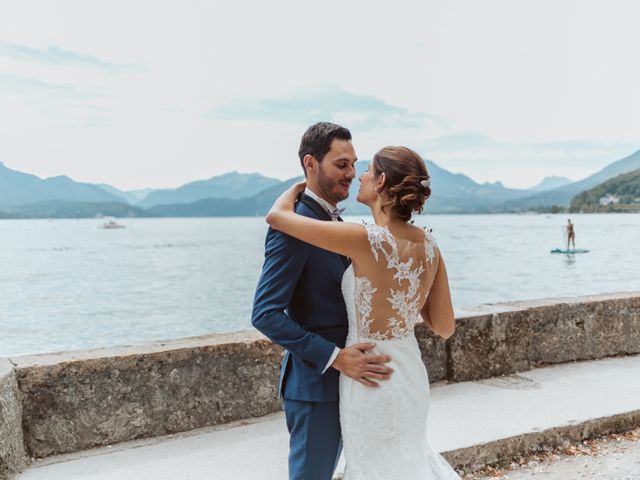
pixel 407 184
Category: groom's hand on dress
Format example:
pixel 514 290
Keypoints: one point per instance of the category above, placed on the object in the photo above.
pixel 354 362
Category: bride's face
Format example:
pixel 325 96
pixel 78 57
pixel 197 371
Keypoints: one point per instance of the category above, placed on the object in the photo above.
pixel 367 193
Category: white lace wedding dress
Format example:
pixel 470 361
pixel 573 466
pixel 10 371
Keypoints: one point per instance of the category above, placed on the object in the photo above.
pixel 384 428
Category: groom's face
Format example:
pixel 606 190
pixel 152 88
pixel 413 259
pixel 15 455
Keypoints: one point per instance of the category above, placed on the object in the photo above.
pixel 336 171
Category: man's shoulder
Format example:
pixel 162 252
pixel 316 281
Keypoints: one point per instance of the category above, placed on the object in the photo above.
pixel 302 208
pixel 278 240
pixel 276 237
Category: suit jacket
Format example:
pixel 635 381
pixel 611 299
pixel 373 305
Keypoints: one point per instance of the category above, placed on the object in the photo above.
pixel 298 305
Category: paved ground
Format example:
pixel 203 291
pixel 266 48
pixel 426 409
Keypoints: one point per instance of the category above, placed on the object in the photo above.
pixel 461 415
pixel 616 457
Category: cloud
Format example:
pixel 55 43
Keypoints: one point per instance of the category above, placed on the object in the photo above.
pixel 65 104
pixel 459 141
pixel 17 84
pixel 329 104
pixel 57 56
pixel 70 89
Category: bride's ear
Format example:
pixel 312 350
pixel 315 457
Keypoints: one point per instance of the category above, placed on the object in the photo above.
pixel 380 182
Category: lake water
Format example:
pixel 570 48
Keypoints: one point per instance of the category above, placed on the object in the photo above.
pixel 67 284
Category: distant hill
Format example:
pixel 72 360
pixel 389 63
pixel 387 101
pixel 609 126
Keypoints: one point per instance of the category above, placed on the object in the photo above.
pixel 257 205
pixel 67 209
pixel 619 194
pixel 457 193
pixel 17 188
pixel 235 194
pixel 451 192
pixel 551 182
pixel 139 194
pixel 562 196
pixel 128 197
pixel 231 185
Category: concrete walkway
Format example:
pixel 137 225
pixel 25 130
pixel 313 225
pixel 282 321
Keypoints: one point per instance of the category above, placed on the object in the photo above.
pixel 603 459
pixel 461 415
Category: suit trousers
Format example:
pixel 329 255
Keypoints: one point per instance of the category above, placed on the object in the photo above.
pixel 315 441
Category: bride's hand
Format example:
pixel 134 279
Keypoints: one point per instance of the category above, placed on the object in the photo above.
pixel 289 197
pixel 286 201
pixel 296 189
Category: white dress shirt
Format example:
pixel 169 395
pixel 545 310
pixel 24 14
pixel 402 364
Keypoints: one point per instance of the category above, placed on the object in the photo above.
pixel 323 203
pixel 329 208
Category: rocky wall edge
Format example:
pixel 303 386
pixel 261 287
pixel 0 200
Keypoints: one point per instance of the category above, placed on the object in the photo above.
pixel 12 453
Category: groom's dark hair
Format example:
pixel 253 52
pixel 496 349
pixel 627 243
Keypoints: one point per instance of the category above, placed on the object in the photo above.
pixel 317 140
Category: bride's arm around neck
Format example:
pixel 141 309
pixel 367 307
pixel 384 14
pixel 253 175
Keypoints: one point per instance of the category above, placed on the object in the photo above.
pixel 344 238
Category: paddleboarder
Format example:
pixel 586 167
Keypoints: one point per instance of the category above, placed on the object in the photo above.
pixel 571 234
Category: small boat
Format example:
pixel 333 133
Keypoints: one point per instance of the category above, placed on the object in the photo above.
pixel 111 223
pixel 569 251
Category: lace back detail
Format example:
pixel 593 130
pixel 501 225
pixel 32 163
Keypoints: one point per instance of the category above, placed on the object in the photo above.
pixel 430 246
pixel 392 288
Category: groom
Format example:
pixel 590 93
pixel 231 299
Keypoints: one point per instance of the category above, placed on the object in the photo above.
pixel 298 305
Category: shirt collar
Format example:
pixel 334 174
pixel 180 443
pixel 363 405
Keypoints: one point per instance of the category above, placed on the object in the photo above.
pixel 323 203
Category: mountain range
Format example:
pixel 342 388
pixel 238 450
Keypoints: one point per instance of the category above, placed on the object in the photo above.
pixel 242 194
pixel 17 188
pixel 618 194
pixel 232 185
pixel 562 196
pixel 452 192
pixel 550 182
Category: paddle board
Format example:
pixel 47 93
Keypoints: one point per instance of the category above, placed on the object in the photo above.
pixel 576 250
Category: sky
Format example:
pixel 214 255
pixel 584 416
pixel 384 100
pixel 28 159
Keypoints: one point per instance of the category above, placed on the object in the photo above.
pixel 159 93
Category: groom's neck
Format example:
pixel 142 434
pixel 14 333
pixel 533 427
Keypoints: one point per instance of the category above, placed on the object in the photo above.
pixel 313 186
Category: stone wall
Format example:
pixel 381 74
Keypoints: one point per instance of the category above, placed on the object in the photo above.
pixel 12 454
pixel 77 400
pixel 512 337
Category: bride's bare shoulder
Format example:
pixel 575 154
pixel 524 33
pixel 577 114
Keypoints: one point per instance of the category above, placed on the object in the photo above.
pixel 411 233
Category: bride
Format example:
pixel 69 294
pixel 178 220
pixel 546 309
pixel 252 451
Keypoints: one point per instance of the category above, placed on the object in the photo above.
pixel 397 275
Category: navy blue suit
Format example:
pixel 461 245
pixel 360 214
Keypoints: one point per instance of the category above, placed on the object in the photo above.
pixel 298 305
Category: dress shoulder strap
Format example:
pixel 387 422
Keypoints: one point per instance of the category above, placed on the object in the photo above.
pixel 430 245
pixel 379 238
